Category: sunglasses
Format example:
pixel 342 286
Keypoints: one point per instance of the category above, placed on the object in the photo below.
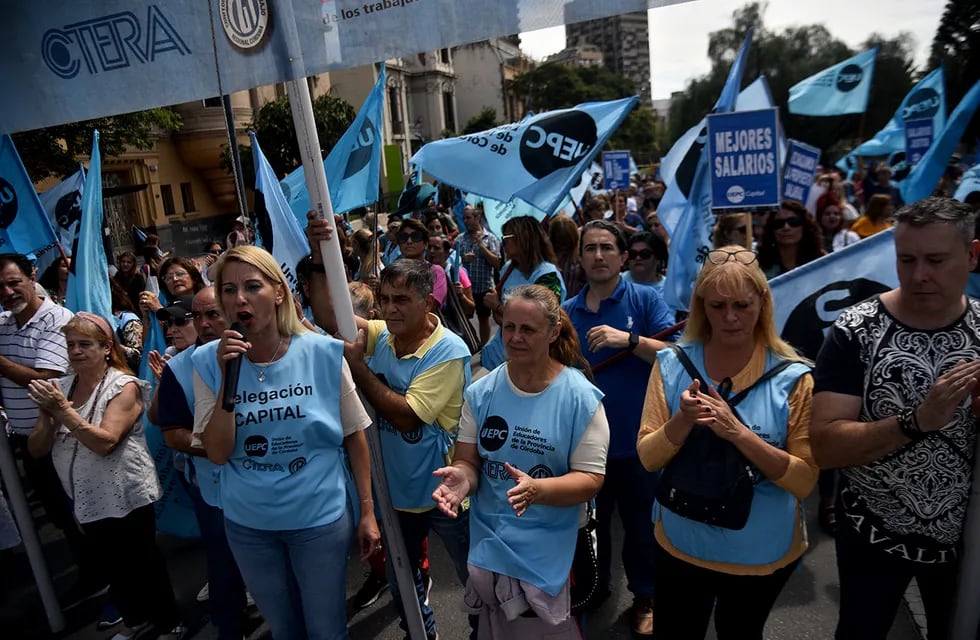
pixel 720 256
pixel 795 221
pixel 414 236
pixel 180 322
pixel 643 254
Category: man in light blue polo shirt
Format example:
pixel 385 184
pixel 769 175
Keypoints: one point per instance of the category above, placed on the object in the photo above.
pixel 613 315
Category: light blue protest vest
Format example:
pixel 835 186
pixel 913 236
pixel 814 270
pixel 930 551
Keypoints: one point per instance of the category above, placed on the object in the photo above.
pixel 536 434
pixel 768 534
pixel 410 458
pixel 287 469
pixel 207 473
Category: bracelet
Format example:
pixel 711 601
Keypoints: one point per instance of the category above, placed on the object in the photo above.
pixel 908 423
pixel 367 500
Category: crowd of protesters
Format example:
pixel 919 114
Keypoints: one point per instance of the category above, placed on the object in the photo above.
pixel 589 399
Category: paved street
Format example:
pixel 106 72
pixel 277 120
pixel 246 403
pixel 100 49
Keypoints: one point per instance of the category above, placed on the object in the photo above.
pixel 806 609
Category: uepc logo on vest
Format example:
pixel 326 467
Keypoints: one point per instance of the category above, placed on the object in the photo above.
pixel 245 22
pixel 493 433
pixel 924 103
pixel 8 204
pixel 557 142
pixel 849 77
pixel 256 446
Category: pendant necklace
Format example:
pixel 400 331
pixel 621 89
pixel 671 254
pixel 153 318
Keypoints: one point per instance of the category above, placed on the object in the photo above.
pixel 266 364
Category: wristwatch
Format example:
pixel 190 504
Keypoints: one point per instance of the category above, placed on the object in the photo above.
pixel 634 341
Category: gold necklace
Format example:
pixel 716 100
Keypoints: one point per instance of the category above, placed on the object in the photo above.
pixel 262 370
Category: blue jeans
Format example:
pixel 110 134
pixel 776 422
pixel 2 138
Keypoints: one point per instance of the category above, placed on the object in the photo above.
pixel 455 535
pixel 632 489
pixel 227 589
pixel 297 577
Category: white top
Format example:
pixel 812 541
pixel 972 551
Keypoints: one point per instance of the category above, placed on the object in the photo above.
pixel 39 344
pixel 106 486
pixel 844 238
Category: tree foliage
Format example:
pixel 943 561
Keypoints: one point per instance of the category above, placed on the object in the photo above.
pixel 556 86
pixel 486 119
pixel 789 56
pixel 54 151
pixel 957 45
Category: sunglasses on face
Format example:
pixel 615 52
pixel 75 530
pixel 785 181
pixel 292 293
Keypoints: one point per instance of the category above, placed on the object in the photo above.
pixel 720 256
pixel 179 322
pixel 643 254
pixel 795 221
pixel 414 236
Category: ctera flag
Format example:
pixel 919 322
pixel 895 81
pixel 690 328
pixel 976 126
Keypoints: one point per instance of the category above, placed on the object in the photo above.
pixel 353 166
pixel 538 159
pixel 842 88
pixel 288 244
pixel 24 226
pixel 88 278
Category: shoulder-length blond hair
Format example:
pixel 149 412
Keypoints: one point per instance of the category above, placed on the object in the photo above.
pixel 729 279
pixel 287 322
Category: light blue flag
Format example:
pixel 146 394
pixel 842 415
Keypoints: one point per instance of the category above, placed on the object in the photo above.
pixel 496 213
pixel 88 279
pixel 691 236
pixel 842 88
pixel 353 166
pixel 174 511
pixel 24 226
pixel 288 243
pixel 808 299
pixel 922 180
pixel 536 160
pixel 678 166
pixel 927 99
pixel 63 205
pixel 969 183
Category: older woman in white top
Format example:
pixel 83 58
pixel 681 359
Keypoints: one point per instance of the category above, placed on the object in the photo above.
pixel 90 423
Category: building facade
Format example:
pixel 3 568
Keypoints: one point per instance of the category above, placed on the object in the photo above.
pixel 485 70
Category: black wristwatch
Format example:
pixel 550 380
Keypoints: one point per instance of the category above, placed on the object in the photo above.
pixel 908 423
pixel 634 341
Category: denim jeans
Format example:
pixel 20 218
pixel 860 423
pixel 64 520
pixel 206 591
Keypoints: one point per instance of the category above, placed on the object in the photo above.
pixel 226 586
pixel 630 488
pixel 297 577
pixel 455 535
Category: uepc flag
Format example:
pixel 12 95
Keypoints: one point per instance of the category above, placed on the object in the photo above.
pixel 969 183
pixel 743 155
pixel 63 205
pixel 842 88
pixel 353 166
pixel 927 99
pixel 24 227
pixel 537 159
pixel 88 278
pixel 289 243
pixel 808 299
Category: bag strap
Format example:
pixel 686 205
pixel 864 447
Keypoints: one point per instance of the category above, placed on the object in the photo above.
pixel 741 395
pixel 503 278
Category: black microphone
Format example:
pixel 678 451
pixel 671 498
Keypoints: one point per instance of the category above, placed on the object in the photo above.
pixel 232 369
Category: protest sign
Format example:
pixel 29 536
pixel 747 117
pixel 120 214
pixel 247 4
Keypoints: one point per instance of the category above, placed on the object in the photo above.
pixel 616 168
pixel 743 156
pixel 801 168
pixel 919 135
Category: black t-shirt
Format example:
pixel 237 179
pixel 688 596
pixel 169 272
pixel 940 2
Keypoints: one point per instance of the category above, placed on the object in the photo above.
pixel 911 503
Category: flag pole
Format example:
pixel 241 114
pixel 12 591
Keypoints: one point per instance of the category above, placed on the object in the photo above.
pixel 236 160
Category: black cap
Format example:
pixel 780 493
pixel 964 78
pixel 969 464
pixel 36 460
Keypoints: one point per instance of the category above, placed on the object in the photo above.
pixel 181 308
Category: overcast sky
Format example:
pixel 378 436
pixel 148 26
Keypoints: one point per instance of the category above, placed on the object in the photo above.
pixel 679 33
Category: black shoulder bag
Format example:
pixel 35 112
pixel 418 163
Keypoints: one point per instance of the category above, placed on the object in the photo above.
pixel 709 480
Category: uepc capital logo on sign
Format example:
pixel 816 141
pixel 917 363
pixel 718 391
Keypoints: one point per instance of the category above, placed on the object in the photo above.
pixel 8 204
pixel 849 77
pixel 245 21
pixel 557 142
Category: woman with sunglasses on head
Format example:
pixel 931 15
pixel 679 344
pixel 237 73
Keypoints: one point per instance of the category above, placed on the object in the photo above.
pixel 647 255
pixel 530 260
pixel 791 238
pixel 726 417
pixel 283 480
pixel 90 422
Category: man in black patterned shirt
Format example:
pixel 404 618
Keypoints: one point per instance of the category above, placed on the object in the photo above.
pixel 892 409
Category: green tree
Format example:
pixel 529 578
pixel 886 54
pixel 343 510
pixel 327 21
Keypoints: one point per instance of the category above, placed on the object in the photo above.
pixel 787 57
pixel 54 151
pixel 486 119
pixel 957 45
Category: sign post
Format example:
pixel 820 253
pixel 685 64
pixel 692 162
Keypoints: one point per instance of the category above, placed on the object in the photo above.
pixel 743 158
